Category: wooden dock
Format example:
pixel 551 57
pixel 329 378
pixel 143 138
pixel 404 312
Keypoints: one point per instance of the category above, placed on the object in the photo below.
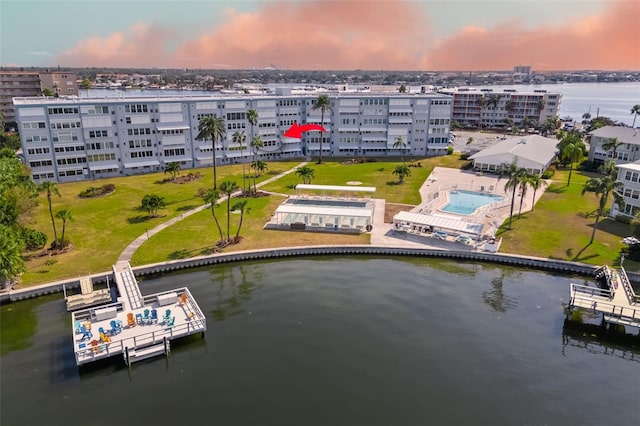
pixel 129 327
pixel 88 296
pixel 618 304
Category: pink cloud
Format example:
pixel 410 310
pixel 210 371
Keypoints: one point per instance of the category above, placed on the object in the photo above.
pixel 595 42
pixel 369 34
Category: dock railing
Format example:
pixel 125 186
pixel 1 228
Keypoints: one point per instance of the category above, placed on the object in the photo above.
pixel 108 349
pixel 628 289
pixel 577 290
pixel 621 312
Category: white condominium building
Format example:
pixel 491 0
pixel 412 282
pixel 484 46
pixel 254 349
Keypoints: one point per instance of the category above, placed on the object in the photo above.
pixel 70 139
pixel 502 108
pixel 627 149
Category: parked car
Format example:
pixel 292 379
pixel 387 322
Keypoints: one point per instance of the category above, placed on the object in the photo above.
pixel 464 239
pixel 441 235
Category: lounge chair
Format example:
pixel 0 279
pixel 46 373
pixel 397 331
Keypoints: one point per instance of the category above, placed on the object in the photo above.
pixel 183 298
pixel 146 319
pixel 104 338
pixel 131 322
pixel 116 327
pixel 169 322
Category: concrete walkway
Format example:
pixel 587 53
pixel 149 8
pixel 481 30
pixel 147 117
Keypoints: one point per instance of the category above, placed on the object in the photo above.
pixel 128 252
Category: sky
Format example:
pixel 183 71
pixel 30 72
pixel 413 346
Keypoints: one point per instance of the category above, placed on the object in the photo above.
pixel 427 35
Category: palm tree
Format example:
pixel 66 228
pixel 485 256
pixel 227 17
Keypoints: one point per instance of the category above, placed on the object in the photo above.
pixel 399 144
pixel 586 116
pixel 242 207
pixel 540 105
pixel 573 152
pixel 212 127
pixel 536 182
pixel 11 261
pixel 522 187
pixel 550 125
pixel 482 102
pixel 305 173
pixel 173 168
pixel 601 186
pixel 612 144
pixel 256 144
pixel 65 215
pixel 240 138
pixel 635 111
pixel 402 171
pixel 228 187
pixel 492 101
pixel 51 188
pixel 323 103
pixel 151 203
pixel 527 123
pixel 252 118
pixel 513 174
pixel 211 197
pixel 508 125
pixel 259 166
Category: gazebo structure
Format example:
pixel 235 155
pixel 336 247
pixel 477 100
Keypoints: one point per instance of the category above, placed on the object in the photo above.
pixel 338 209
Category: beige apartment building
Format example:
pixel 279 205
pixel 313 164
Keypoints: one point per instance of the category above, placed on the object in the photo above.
pixel 19 84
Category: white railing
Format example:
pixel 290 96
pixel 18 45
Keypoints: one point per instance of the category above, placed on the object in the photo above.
pixel 621 312
pixel 104 350
pixel 590 291
pixel 628 289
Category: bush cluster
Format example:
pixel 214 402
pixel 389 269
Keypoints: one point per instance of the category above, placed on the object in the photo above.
pixel 97 192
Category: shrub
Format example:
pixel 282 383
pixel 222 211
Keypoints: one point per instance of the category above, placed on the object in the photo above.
pixel 97 192
pixel 548 174
pixel 88 193
pixel 449 150
pixel 623 219
pixel 34 239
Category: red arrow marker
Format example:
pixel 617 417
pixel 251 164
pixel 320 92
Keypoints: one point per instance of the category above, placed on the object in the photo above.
pixel 295 131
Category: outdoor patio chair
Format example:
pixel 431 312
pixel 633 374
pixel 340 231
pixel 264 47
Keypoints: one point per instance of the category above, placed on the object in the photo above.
pixel 167 315
pixel 154 316
pixel 116 327
pixel 131 322
pixel 77 325
pixel 169 322
pixel 146 319
pixel 183 298
pixel 139 319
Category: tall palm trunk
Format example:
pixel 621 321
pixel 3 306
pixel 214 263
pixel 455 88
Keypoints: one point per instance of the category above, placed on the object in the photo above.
pixel 215 173
pixel 533 202
pixel 215 218
pixel 64 225
pixel 321 125
pixel 53 222
pixel 513 201
pixel 228 216
pixel 240 224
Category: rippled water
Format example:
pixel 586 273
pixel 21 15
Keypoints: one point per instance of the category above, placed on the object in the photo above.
pixel 336 341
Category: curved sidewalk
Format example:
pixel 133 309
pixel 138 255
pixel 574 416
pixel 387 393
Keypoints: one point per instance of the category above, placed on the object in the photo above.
pixel 128 252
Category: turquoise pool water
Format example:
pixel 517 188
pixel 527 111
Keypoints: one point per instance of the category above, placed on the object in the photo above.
pixel 466 202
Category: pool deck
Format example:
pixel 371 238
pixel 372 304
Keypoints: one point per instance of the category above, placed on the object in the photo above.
pixel 385 233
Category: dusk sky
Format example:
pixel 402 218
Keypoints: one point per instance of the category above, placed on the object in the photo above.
pixel 322 34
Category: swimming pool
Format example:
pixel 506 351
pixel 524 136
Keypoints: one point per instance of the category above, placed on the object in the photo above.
pixel 466 202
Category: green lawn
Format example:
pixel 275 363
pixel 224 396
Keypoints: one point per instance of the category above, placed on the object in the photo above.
pixel 560 226
pixel 104 226
pixel 378 174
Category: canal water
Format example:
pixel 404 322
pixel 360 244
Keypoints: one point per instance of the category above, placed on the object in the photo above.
pixel 350 341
